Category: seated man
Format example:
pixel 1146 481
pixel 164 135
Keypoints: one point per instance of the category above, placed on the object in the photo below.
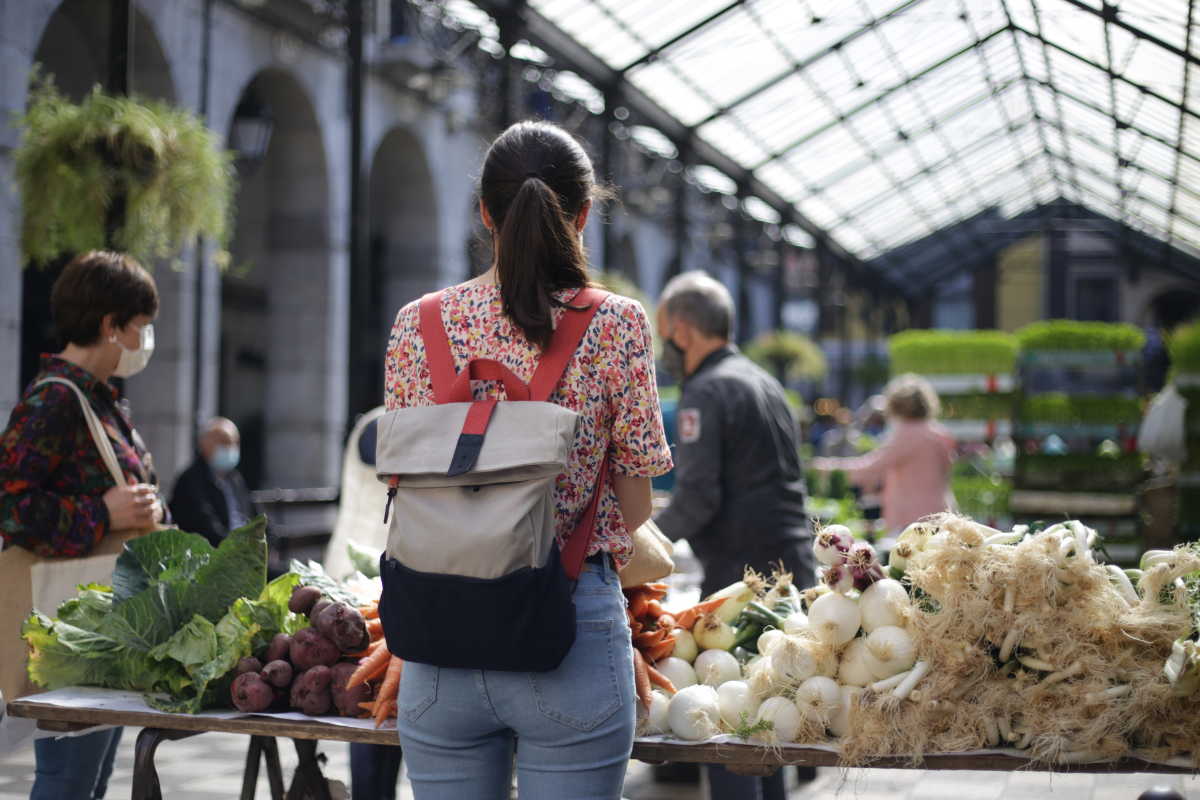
pixel 210 497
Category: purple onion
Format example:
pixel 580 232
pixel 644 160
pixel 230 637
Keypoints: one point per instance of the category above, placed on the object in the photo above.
pixel 860 559
pixel 832 544
pixel 839 578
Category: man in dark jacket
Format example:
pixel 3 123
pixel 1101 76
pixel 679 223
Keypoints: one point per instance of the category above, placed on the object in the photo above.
pixel 739 487
pixel 210 497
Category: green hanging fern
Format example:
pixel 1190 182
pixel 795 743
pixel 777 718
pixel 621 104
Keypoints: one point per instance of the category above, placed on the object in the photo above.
pixel 118 173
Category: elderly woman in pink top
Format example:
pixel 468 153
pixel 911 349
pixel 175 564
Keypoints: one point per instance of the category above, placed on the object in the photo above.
pixel 914 460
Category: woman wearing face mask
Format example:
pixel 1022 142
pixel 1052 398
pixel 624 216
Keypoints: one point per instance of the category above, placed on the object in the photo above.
pixel 57 496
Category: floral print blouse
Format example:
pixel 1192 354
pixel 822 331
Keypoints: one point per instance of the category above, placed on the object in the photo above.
pixel 610 382
pixel 52 478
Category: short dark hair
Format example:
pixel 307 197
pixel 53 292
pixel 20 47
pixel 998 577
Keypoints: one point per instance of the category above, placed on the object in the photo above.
pixel 701 301
pixel 95 284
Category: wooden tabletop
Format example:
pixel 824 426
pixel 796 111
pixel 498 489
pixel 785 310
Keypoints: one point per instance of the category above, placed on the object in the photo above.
pixel 59 718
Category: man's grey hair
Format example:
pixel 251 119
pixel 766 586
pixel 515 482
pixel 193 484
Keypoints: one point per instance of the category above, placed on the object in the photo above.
pixel 700 301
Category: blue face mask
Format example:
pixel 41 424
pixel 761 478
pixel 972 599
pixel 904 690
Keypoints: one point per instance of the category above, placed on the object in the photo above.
pixel 225 458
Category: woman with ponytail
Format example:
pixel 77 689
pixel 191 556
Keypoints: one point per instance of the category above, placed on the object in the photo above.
pixel 574 725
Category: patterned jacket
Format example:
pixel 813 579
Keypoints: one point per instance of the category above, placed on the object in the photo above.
pixel 52 478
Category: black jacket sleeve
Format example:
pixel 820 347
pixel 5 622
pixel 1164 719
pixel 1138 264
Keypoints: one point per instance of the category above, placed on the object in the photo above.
pixel 697 496
pixel 198 505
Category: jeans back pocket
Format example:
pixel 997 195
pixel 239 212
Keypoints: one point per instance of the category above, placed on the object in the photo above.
pixel 418 689
pixel 583 691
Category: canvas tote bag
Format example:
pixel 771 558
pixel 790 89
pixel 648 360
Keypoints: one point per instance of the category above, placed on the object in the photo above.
pixel 29 581
pixel 472 533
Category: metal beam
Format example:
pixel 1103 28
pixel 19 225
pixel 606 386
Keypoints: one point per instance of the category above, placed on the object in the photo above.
pixel 869 103
pixel 800 66
pixel 654 53
pixel 1028 90
pixel 560 45
pixel 1146 90
pixel 1179 136
pixel 1108 13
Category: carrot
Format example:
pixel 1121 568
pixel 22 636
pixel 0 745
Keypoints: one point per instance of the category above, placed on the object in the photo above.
pixel 385 698
pixel 368 666
pixel 383 711
pixel 637 604
pixel 370 612
pixel 688 618
pixel 657 677
pixel 641 679
pixel 654 591
pixel 667 621
pixel 654 609
pixel 649 638
pixel 368 710
pixel 660 650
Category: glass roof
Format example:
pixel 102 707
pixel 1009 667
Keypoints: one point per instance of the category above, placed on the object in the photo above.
pixel 886 121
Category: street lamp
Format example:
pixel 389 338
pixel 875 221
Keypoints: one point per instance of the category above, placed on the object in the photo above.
pixel 250 134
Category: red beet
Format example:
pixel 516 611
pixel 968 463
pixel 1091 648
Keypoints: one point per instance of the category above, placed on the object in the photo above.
pixel 278 673
pixel 310 648
pixel 303 599
pixel 280 648
pixel 313 702
pixel 344 625
pixel 346 700
pixel 248 664
pixel 251 694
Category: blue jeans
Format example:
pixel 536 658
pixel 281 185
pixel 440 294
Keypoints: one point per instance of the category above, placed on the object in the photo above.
pixel 75 767
pixel 574 725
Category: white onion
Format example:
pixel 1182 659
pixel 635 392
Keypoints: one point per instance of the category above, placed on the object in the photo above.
pixel 839 723
pixel 685 645
pixel 796 621
pixel 882 603
pixel 678 672
pixel 715 667
pixel 819 699
pixel 836 614
pixel 658 722
pixel 785 715
pixel 791 662
pixel 888 651
pixel 853 670
pixel 764 641
pixel 734 697
pixel 713 633
pixel 917 534
pixel 737 597
pixel 694 713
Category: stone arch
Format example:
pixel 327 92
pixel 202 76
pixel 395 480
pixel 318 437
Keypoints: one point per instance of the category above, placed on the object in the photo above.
pixel 1172 306
pixel 279 350
pixel 402 252
pixel 74 49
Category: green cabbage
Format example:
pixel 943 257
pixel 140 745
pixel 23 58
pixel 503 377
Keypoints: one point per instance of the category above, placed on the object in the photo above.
pixel 178 617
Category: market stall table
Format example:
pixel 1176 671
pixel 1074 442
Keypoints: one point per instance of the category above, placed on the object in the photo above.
pixel 80 709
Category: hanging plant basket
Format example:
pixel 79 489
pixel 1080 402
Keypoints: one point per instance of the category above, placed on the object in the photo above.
pixel 118 173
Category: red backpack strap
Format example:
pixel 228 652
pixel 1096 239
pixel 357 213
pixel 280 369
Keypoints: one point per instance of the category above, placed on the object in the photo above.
pixel 553 363
pixel 437 347
pixel 565 342
pixel 575 550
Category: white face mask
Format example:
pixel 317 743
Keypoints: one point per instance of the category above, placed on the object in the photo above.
pixel 134 361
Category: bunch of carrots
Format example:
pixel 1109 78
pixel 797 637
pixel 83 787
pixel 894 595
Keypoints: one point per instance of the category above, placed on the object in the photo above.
pixel 654 633
pixel 381 668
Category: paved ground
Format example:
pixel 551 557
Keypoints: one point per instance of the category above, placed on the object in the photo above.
pixel 209 767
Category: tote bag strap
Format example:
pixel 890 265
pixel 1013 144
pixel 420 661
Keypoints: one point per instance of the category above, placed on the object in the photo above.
pixel 99 435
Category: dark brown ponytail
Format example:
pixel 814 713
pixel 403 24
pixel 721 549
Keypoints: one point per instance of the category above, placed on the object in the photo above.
pixel 535 181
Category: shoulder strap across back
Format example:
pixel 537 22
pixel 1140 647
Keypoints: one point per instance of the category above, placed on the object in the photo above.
pixel 448 386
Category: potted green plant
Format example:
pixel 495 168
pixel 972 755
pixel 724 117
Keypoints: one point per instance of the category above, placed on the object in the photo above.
pixel 789 355
pixel 119 173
